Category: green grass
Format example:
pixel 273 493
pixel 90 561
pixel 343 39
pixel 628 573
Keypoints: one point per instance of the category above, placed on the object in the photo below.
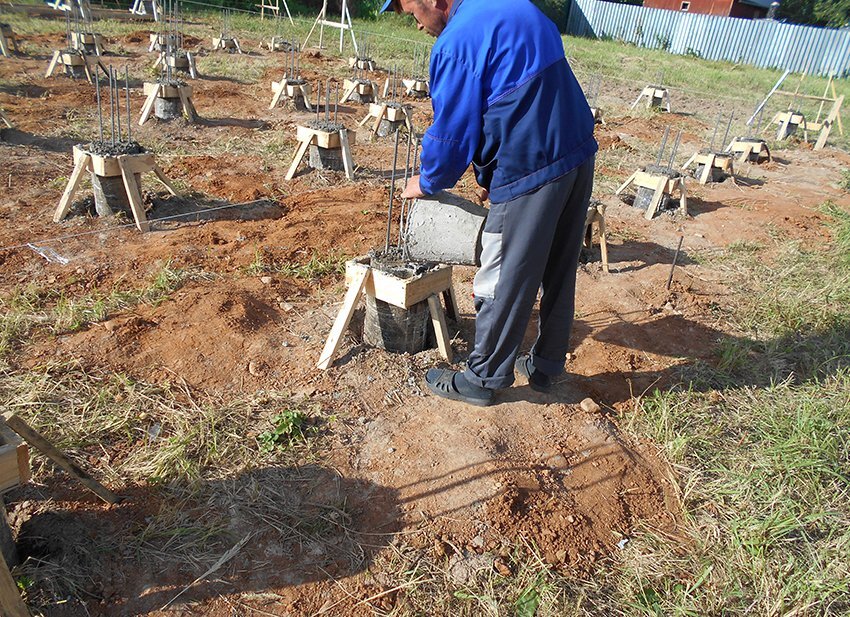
pixel 314 269
pixel 762 439
pixel 25 309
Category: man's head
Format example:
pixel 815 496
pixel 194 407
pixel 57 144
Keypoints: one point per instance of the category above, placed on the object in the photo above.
pixel 430 15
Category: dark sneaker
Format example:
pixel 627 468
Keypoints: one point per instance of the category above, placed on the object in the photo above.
pixel 453 385
pixel 536 380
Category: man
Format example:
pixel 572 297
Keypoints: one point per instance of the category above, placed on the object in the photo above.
pixel 506 101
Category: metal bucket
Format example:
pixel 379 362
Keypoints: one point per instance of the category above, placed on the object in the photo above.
pixel 445 228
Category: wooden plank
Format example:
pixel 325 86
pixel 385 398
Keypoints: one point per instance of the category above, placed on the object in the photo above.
pixel 347 162
pixel 35 439
pixel 657 196
pixel 438 320
pixel 187 105
pixel 378 118
pixel 299 154
pixel 626 183
pixel 603 239
pixel 683 199
pixel 134 195
pixel 147 108
pixel 160 175
pixel 10 599
pixel 344 317
pixel 14 459
pixel 80 166
pixel 350 87
pixel 53 62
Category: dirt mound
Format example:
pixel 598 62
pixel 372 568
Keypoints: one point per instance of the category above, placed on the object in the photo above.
pixel 217 338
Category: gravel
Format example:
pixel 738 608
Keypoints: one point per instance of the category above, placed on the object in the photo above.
pixel 104 148
pixel 326 126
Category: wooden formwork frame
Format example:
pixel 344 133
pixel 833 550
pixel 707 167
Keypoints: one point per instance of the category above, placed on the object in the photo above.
pixel 77 58
pixel 126 166
pixel 283 88
pixel 744 149
pixel 382 111
pixel 822 127
pixel 189 67
pixel 661 185
pixel 155 90
pixel 651 93
pixel 709 161
pixel 363 88
pixel 402 293
pixel 323 139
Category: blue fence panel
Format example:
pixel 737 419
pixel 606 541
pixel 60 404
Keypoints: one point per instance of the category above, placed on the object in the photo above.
pixel 762 43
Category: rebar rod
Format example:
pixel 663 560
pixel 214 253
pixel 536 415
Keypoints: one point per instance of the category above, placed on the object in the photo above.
pixel 407 176
pixel 663 145
pixel 99 110
pixel 392 194
pixel 327 100
pixel 336 102
pixel 111 110
pixel 127 92
pixel 117 103
pixel 728 126
pixel 714 134
pixel 673 151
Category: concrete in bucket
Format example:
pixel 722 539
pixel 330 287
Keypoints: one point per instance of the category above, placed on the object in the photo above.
pixel 445 228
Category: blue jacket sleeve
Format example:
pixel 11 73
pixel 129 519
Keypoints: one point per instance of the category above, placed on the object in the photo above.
pixel 449 145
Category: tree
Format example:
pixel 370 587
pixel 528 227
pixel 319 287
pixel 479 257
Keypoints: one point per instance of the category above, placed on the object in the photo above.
pixel 835 13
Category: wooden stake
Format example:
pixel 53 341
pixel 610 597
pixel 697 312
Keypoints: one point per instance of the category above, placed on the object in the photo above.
pixel 299 154
pixel 82 164
pixel 344 318
pixel 346 154
pixel 35 439
pixel 11 604
pixel 134 195
pixel 438 320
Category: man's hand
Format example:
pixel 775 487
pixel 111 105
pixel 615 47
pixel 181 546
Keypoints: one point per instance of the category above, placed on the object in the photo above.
pixel 483 195
pixel 412 190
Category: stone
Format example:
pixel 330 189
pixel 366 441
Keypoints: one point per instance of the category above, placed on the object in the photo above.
pixel 590 406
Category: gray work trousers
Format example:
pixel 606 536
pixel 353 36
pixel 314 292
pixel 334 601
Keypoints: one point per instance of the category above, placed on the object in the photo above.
pixel 530 242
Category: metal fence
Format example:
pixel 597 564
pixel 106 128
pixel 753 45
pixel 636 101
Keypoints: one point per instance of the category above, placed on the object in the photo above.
pixel 759 42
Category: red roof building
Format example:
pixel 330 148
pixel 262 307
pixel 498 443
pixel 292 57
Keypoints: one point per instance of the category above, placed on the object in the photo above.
pixel 752 9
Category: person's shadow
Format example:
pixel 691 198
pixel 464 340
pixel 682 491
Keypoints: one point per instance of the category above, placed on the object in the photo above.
pixel 265 529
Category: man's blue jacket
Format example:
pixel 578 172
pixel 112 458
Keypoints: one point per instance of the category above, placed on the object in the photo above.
pixel 505 100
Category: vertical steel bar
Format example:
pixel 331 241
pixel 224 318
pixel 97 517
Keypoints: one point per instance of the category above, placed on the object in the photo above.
pixel 99 110
pixel 127 86
pixel 392 194
pixel 663 145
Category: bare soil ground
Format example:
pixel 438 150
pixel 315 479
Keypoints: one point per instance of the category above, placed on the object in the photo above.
pixel 399 471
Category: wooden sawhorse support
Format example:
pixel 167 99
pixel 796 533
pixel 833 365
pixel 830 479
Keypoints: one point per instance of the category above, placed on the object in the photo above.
pixel 661 185
pixel 126 166
pixel 362 87
pixel 749 149
pixel 655 97
pixel 597 115
pixel 178 63
pixel 403 293
pixel 313 137
pixel 711 161
pixel 416 87
pixel 226 43
pixel 154 90
pixel 78 58
pixel 7 37
pixel 84 41
pixel 596 216
pixel 382 111
pixel 283 87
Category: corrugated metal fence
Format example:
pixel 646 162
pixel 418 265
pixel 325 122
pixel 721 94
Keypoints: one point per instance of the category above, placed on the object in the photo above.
pixel 763 43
